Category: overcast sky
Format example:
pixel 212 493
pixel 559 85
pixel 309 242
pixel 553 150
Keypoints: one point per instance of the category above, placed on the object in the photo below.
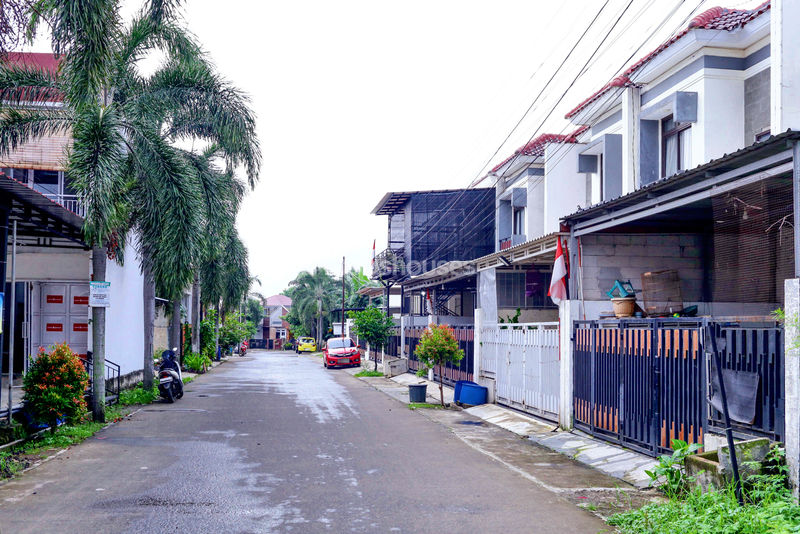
pixel 358 98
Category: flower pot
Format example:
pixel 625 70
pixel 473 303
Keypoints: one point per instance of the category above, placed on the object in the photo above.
pixel 417 392
pixel 624 307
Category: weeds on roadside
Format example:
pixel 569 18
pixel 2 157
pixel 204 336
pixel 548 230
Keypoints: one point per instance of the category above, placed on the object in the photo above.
pixel 367 373
pixel 769 508
pixel 670 473
pixel 138 395
pixel 427 405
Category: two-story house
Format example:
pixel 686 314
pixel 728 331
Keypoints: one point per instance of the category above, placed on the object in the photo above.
pixel 681 179
pixel 274 326
pixel 52 262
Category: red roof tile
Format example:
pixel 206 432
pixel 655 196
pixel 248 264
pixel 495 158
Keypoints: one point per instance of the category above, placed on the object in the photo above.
pixel 536 146
pixel 279 300
pixel 47 61
pixel 716 18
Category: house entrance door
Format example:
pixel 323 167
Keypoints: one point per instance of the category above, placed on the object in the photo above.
pixel 60 314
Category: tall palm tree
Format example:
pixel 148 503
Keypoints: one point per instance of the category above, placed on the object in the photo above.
pixel 314 294
pixel 123 162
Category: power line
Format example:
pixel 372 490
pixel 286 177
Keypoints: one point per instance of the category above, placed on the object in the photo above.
pixel 563 94
pixel 563 62
pixel 612 102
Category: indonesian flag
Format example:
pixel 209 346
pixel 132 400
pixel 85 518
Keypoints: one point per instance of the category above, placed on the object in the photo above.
pixel 373 252
pixel 558 287
pixel 428 301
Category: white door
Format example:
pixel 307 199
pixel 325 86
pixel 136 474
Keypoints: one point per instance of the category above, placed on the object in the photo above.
pixel 60 315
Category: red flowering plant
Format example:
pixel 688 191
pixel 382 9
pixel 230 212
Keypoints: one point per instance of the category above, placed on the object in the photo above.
pixel 55 384
pixel 436 348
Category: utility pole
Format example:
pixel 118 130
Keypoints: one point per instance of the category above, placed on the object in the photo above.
pixel 342 296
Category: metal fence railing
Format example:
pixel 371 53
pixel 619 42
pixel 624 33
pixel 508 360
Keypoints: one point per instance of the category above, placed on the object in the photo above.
pixel 644 382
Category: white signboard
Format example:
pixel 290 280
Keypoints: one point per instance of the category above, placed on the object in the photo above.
pixel 100 294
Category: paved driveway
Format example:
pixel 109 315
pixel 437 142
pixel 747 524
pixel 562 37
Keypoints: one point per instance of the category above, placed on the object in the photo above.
pixel 275 443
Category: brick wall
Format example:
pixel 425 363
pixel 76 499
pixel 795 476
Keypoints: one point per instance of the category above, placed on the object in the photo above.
pixel 47 153
pixel 756 105
pixel 610 257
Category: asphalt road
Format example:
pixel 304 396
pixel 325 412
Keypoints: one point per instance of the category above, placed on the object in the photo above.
pixel 275 443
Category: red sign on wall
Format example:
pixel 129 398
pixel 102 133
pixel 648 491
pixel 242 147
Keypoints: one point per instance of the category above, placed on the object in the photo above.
pixel 55 299
pixel 55 327
pixel 80 327
pixel 80 300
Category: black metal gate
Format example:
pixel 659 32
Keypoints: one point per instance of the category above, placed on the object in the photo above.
pixel 642 383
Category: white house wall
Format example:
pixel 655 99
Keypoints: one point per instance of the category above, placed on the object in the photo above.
pixel 535 210
pixel 40 264
pixel 125 316
pixel 564 187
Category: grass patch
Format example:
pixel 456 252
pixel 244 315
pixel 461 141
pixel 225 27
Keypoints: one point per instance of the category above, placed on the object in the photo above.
pixel 427 405
pixel 138 395
pixel 367 372
pixel 188 380
pixel 10 465
pixel 712 513
pixel 69 434
pixel 769 508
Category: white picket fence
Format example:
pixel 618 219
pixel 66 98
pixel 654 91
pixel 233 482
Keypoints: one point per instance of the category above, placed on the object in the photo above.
pixel 524 361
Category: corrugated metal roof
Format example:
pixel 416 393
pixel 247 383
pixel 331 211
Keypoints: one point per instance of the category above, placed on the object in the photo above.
pixel 394 200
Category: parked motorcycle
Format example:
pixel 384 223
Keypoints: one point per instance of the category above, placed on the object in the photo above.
pixel 170 382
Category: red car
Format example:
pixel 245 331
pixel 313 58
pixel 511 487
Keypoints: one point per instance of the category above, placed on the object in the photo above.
pixel 341 352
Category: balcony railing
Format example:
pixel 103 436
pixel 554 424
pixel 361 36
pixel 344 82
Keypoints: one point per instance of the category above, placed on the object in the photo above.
pixel 389 264
pixel 69 202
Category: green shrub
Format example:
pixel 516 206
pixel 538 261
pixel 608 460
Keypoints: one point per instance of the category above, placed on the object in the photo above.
pixel 769 508
pixel 670 472
pixel 198 363
pixel 138 395
pixel 55 384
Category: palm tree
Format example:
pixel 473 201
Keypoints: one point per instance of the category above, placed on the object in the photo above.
pixel 314 295
pixel 123 164
pixel 354 281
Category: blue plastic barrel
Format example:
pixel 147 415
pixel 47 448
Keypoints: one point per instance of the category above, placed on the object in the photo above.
pixel 468 392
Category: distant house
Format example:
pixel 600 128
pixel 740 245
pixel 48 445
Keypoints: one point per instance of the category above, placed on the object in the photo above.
pixel 275 309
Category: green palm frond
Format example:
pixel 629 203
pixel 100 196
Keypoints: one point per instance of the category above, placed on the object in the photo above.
pixel 86 33
pixel 197 103
pixel 19 126
pixel 172 229
pixel 97 165
pixel 24 84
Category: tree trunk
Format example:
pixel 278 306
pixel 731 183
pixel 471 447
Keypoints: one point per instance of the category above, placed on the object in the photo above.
pixel 319 324
pixel 99 258
pixel 376 361
pixel 175 325
pixel 441 386
pixel 216 334
pixel 149 300
pixel 196 314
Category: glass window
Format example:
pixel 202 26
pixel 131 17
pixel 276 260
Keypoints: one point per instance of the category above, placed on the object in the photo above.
pixel 20 175
pixel 513 291
pixel 519 221
pixel 68 189
pixel 340 343
pixel 46 182
pixel 676 149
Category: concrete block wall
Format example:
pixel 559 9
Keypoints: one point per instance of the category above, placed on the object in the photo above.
pixel 610 257
pixel 756 105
